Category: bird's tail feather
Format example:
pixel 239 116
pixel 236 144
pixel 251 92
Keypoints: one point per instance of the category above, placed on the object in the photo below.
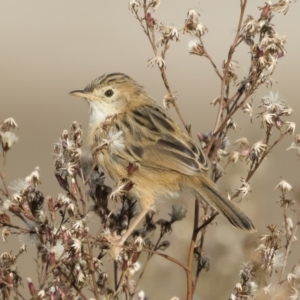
pixel 233 213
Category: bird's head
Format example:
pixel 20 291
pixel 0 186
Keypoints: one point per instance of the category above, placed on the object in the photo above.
pixel 109 94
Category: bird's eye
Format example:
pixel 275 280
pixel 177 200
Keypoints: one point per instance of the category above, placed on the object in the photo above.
pixel 109 93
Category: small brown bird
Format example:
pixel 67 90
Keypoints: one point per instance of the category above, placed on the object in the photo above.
pixel 136 130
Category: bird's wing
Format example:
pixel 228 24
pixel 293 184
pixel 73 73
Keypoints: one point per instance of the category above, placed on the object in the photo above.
pixel 156 141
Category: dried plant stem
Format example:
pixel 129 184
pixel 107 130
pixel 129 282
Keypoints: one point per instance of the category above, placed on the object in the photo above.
pixel 89 245
pixel 95 288
pixel 44 275
pixel 82 194
pixel 162 233
pixel 95 163
pixel 249 176
pixel 223 124
pixel 150 254
pixel 23 230
pixel 203 232
pixel 151 38
pixel 243 4
pixel 287 251
pixel 115 274
pixel 10 286
pixel 98 232
pixel 251 172
pixel 208 221
pixel 119 284
pixel 62 222
pixel 3 175
pixel 164 77
pixel 189 293
pixel 168 257
pixel 206 54
pixel 73 285
pixel 222 105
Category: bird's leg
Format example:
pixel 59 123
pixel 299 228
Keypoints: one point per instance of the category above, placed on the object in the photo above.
pixel 133 225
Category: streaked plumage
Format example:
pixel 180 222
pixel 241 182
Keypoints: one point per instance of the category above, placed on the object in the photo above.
pixel 139 131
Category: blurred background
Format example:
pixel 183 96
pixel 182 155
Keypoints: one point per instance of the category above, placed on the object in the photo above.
pixel 49 48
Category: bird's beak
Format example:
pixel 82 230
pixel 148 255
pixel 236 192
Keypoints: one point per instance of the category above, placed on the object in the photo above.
pixel 79 93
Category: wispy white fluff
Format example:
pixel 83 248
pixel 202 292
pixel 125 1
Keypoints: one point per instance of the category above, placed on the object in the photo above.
pixel 116 140
pixel 99 112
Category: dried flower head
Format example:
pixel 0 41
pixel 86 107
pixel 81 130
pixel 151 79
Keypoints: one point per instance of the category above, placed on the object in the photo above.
pixel 291 126
pixel 8 124
pixel 195 47
pixel 245 188
pixel 248 28
pixel 282 6
pixel 178 213
pixel 154 4
pixel 191 21
pixel 283 186
pixel 8 139
pixel 248 109
pixel 134 5
pixel 168 33
pixel 168 100
pixel 200 30
pixel 157 60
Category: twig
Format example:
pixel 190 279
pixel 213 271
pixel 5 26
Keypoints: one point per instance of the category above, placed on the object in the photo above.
pixel 74 286
pixel 287 252
pixel 200 248
pixel 150 254
pixel 189 293
pixel 170 258
pixel 210 59
pixel 3 174
pixel 151 38
pixel 95 288
pixel 243 4
pixel 217 127
pixel 17 227
pixel 12 288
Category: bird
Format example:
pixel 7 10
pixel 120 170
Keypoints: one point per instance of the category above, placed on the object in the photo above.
pixel 130 128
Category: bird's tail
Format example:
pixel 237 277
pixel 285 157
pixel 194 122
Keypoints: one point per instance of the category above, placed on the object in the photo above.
pixel 210 193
